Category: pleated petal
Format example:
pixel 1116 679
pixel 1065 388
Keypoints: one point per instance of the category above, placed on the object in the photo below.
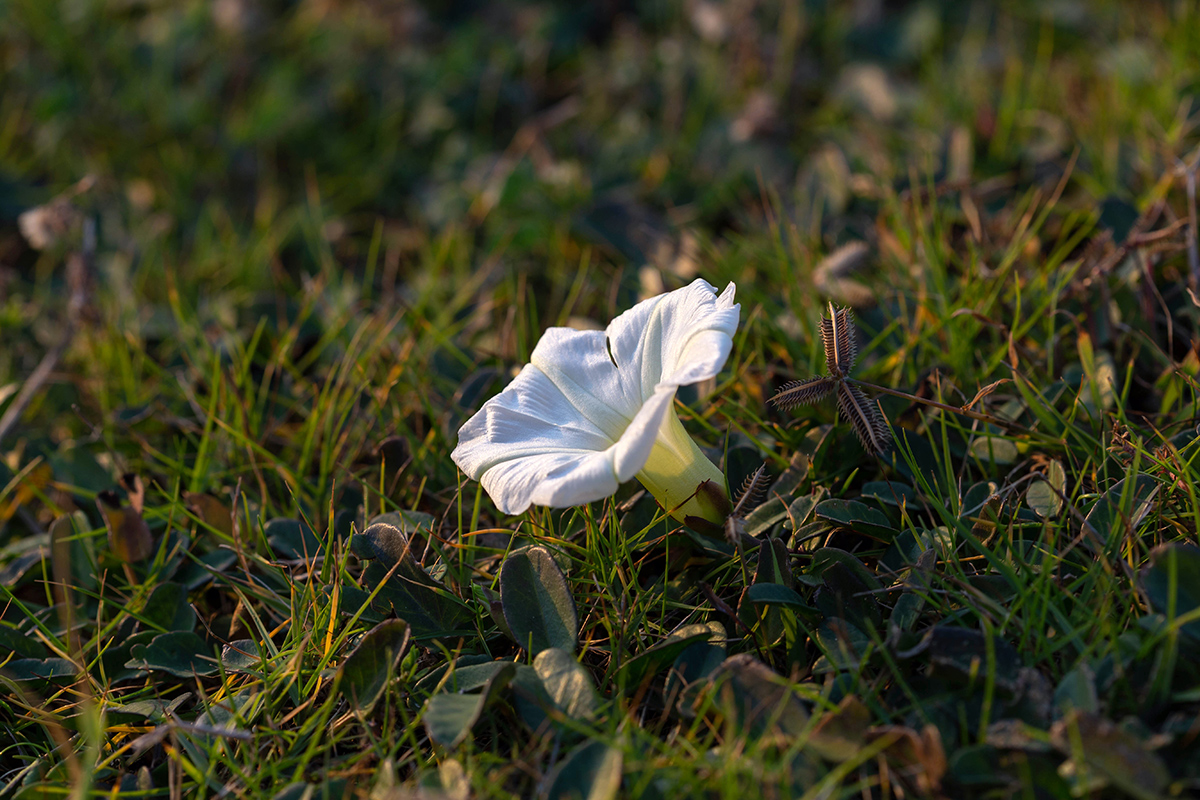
pixel 584 415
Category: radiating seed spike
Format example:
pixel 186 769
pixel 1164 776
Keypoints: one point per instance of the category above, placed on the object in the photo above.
pixel 837 335
pixel 866 418
pixel 798 393
pixel 752 491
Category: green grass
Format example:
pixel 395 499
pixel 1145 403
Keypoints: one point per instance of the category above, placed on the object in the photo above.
pixel 328 232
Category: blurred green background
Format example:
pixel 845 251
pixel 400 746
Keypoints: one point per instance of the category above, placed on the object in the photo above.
pixel 312 130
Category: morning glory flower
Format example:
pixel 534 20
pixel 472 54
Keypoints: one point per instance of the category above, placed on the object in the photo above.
pixel 594 409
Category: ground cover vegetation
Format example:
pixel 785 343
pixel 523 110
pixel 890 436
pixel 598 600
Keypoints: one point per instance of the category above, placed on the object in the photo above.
pixel 259 261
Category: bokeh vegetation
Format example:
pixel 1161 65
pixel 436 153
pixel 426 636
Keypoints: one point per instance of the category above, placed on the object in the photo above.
pixel 271 255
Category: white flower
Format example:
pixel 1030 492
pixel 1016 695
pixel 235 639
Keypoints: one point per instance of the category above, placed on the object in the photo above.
pixel 593 409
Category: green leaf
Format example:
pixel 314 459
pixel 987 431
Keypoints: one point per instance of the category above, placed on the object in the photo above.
pixel 292 539
pixel 28 551
pixel 842 645
pixel 168 608
pixel 200 571
pixel 654 659
pixel 39 669
pixel 1044 496
pixel 693 667
pixel 965 652
pixel 849 588
pixel 566 681
pixel 592 771
pixel 244 656
pixel 766 516
pixel 367 670
pixel 1100 374
pixel 332 789
pixel 801 508
pixel 449 717
pixel 449 781
pixel 470 677
pixel 1077 690
pixel 774 594
pixel 180 653
pixel 906 611
pixel 72 558
pixel 386 542
pixel 530 698
pixel 773 566
pixel 890 493
pixel 994 449
pixel 826 557
pixel 20 644
pixel 537 603
pixel 858 517
pixel 1049 419
pixel 407 521
pixel 425 604
pixel 1172 582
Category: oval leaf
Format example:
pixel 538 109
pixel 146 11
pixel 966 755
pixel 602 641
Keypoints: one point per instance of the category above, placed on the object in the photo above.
pixel 1045 495
pixel 568 683
pixel 366 672
pixel 592 771
pixel 537 603
pixel 858 517
pixel 449 717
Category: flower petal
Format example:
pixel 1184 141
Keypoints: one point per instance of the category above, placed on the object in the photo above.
pixel 586 413
pixel 556 479
pixel 677 338
pixel 531 416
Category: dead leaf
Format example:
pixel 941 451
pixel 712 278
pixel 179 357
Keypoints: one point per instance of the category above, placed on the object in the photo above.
pixel 128 535
pixel 984 392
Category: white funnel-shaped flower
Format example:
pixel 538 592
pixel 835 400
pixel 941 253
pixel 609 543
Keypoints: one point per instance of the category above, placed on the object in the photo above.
pixel 593 409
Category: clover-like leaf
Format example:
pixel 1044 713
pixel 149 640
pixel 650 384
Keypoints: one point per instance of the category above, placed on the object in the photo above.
pixel 168 608
pixel 840 734
pixel 858 517
pixel 1127 503
pixel 180 653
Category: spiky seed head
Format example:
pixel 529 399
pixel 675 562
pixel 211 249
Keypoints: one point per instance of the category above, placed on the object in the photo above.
pixel 799 393
pixel 866 418
pixel 837 335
